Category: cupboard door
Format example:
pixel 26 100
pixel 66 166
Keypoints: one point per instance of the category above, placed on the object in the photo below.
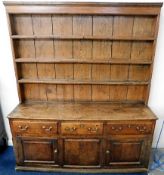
pixel 82 152
pixel 126 152
pixel 38 151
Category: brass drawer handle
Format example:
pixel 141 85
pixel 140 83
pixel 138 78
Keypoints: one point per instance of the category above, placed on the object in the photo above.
pixel 48 129
pixel 141 129
pixel 70 129
pixel 67 129
pixel 107 152
pixel 117 128
pixel 93 129
pixel 23 128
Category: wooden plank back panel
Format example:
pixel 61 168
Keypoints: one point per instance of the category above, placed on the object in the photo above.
pixel 28 70
pixel 144 26
pixel 62 25
pixel 42 25
pixel 100 93
pixel 136 93
pixel 82 49
pixel 121 49
pixel 82 72
pixel 114 93
pixel 35 92
pixel 45 71
pixel 102 50
pixel 21 24
pixel 101 72
pixel 142 50
pixel 116 26
pixel 65 92
pixel 63 49
pixel 119 72
pixel 118 93
pixel 102 25
pixel 98 72
pixel 139 73
pixel 51 92
pixel 82 93
pixel 123 26
pixel 24 48
pixel 82 25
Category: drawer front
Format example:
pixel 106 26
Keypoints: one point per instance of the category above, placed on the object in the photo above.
pixel 129 128
pixel 82 128
pixel 34 128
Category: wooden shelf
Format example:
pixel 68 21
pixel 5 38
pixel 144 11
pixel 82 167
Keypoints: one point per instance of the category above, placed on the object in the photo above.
pixel 96 111
pixel 85 61
pixel 65 37
pixel 85 82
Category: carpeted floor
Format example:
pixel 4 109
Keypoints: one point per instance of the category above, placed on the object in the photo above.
pixel 7 163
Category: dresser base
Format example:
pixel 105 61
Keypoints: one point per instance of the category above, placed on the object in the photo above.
pixel 104 137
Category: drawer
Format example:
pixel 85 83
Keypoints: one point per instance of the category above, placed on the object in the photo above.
pixel 34 128
pixel 82 128
pixel 129 128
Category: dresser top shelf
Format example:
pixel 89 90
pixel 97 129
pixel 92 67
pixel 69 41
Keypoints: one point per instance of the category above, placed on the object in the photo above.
pixel 80 3
pixel 82 111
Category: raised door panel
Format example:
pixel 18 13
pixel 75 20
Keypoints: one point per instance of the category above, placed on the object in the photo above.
pixel 126 152
pixel 82 152
pixel 37 151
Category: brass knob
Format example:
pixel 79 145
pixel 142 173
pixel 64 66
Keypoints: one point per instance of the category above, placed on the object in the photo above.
pixel 107 152
pixel 120 128
pixel 55 151
pixel 74 128
pixel 138 128
pixel 113 128
pixel 23 128
pixel 129 126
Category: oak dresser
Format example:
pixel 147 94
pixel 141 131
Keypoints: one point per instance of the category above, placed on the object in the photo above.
pixel 83 74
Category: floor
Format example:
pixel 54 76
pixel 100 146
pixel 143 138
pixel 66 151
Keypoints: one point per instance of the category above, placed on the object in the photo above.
pixel 159 170
pixel 7 163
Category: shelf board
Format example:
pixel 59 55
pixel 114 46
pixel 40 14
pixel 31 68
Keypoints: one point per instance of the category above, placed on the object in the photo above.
pixel 85 61
pixel 76 37
pixel 58 110
pixel 85 82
